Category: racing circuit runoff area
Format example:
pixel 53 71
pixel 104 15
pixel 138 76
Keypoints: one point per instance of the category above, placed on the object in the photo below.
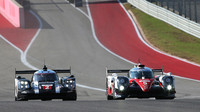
pixel 67 38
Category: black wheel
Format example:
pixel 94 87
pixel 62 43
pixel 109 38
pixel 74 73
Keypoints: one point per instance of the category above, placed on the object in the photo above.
pixel 18 98
pixel 121 98
pixel 71 97
pixel 117 98
pixel 114 94
pixel 109 97
pixel 46 99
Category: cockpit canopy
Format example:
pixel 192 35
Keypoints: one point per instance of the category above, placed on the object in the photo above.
pixel 45 77
pixel 144 73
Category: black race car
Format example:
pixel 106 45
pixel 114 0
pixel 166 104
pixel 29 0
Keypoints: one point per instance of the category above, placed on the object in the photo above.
pixel 45 85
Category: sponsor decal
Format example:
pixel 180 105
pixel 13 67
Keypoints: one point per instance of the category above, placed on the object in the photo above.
pixel 145 82
pixel 47 87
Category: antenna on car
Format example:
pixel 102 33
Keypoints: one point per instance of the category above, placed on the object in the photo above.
pixel 45 67
pixel 139 63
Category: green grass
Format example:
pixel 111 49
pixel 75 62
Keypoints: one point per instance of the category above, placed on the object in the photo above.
pixel 166 37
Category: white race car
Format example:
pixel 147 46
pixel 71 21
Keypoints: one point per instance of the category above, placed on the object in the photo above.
pixel 139 82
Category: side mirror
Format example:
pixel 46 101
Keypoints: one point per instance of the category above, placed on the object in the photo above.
pixel 60 80
pixel 169 74
pixel 111 81
pixel 18 77
pixel 72 76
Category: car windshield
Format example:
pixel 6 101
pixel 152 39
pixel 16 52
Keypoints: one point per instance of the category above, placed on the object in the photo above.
pixel 141 74
pixel 45 77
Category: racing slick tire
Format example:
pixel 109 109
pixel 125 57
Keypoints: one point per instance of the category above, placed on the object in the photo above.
pixel 18 97
pixel 109 97
pixel 46 99
pixel 115 98
pixel 71 97
pixel 121 98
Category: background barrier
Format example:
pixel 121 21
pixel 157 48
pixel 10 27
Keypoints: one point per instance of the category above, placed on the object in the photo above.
pixel 13 12
pixel 169 17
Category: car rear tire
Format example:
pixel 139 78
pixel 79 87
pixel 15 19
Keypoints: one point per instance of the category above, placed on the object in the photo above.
pixel 71 97
pixel 121 98
pixel 18 98
pixel 46 99
pixel 109 97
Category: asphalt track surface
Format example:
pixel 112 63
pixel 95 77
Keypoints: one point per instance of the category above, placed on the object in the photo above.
pixel 66 39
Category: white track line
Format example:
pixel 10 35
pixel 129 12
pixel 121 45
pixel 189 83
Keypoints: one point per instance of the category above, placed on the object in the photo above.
pixel 138 33
pixel 24 54
pixel 97 40
pixel 141 38
pixel 32 67
pixel 77 8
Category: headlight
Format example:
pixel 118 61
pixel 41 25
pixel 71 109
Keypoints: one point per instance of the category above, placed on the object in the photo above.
pixel 69 81
pixel 22 82
pixel 22 86
pixel 26 83
pixel 66 85
pixel 121 88
pixel 169 87
pixel 26 86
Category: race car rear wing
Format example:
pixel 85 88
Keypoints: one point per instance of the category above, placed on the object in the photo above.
pixel 25 72
pixel 33 71
pixel 157 70
pixel 116 71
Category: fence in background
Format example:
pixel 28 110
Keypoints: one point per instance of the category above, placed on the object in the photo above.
pixel 187 8
pixel 169 17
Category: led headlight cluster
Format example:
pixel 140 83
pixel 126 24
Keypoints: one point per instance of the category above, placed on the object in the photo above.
pixel 169 87
pixel 121 88
pixel 69 81
pixel 24 84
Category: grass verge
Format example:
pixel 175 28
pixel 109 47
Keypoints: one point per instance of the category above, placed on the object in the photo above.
pixel 166 37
